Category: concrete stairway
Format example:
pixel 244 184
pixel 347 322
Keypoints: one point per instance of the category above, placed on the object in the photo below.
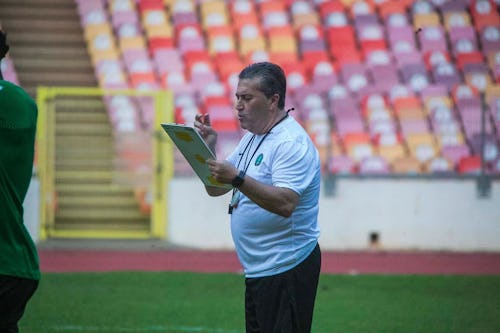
pixel 48 49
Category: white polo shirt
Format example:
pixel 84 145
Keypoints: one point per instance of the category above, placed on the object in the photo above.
pixel 266 243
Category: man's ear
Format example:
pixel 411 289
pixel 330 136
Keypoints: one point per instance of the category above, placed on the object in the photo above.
pixel 275 100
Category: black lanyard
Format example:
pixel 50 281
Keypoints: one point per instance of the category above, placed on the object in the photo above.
pixel 258 146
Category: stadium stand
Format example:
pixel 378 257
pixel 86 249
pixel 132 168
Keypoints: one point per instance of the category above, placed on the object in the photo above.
pixel 381 86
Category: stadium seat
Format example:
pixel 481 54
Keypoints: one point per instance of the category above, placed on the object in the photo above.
pixel 388 8
pixel 456 18
pixel 220 40
pixel 484 13
pixel 407 165
pixel 341 164
pixel 422 146
pixel 214 13
pixel 438 165
pixel 373 165
pixel 250 38
pixel 469 165
pixel 328 7
pixel 303 13
pixel 446 74
pixel 243 13
pixel 432 38
pixel 489 37
pixel 358 145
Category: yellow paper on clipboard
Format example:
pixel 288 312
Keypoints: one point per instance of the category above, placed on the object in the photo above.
pixel 195 151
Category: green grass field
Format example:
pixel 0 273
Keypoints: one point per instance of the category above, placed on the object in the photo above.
pixel 213 303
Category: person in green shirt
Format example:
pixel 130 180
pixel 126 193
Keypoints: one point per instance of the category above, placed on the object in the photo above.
pixel 19 263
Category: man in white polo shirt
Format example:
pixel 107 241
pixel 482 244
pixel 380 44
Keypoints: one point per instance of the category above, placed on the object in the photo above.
pixel 275 173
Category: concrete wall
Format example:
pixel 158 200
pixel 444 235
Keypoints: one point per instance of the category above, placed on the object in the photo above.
pixel 406 214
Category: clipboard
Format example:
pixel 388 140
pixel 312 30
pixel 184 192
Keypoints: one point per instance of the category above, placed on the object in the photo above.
pixel 195 151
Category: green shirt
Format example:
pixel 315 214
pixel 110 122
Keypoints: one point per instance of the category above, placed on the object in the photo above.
pixel 18 114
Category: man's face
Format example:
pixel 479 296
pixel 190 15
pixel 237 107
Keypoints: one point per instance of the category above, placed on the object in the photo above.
pixel 253 107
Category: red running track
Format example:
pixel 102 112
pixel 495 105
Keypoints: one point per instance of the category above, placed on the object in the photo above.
pixel 52 260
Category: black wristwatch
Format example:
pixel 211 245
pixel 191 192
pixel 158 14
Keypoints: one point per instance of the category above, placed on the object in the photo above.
pixel 238 180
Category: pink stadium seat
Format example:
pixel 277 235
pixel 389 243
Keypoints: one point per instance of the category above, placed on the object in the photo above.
pixel 120 18
pixel 168 60
pixel 342 164
pixel 414 126
pixel 455 153
pixel 453 6
pixel 438 165
pixel 415 76
pixel 490 39
pixel 373 165
pixel 446 74
pixel 491 151
pixel 432 38
pixel 433 90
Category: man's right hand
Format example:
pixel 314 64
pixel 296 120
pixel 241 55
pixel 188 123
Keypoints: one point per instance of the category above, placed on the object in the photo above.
pixel 202 123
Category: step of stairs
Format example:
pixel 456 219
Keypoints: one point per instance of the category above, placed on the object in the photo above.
pixel 48 49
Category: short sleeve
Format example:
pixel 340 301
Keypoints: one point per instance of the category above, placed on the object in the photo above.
pixel 295 164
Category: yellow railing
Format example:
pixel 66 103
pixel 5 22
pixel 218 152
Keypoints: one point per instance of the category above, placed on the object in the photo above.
pixel 162 161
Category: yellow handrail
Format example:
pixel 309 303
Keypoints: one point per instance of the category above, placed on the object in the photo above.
pixel 162 161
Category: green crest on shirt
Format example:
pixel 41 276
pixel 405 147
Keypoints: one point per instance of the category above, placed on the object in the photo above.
pixel 259 159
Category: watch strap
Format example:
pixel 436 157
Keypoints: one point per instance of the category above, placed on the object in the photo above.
pixel 238 180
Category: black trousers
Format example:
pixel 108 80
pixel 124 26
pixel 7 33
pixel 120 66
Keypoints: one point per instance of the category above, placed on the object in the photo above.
pixel 283 303
pixel 14 295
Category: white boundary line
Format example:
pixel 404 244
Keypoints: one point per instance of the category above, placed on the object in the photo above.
pixel 155 328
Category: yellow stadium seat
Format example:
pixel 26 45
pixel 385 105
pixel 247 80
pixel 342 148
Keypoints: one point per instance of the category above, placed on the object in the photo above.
pixel 456 19
pixel 278 44
pixel 426 20
pixel 249 45
pixel 92 30
pixel 492 91
pixel 164 30
pixel 422 146
pixel 132 43
pixel 392 152
pixel 214 13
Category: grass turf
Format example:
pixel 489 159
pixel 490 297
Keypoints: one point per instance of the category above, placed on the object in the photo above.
pixel 173 302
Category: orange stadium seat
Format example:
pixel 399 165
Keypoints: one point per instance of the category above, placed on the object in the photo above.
pixel 303 13
pixel 243 13
pixel 407 165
